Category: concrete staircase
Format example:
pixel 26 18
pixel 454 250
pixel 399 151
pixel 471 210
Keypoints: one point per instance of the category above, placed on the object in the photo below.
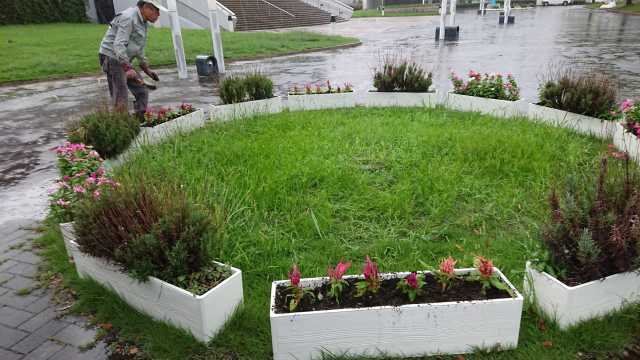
pixel 274 14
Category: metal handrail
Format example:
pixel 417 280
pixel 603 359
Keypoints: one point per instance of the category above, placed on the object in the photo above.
pixel 277 7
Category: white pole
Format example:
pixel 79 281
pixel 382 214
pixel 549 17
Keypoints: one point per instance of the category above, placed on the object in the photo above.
pixel 382 7
pixel 452 12
pixel 215 34
pixel 443 14
pixel 507 10
pixel 178 46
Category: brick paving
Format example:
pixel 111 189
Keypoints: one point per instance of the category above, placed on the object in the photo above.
pixel 30 325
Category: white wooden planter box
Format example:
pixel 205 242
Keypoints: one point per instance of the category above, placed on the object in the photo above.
pixel 569 305
pixel 401 99
pixel 245 109
pixel 408 330
pixel 583 124
pixel 321 101
pixel 486 106
pixel 627 142
pixel 202 315
pixel 68 236
pixel 159 133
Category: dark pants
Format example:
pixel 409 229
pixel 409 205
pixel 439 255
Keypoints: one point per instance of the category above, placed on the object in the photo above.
pixel 118 85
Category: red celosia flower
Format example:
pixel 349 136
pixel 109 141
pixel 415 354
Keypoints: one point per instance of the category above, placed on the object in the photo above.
pixel 412 280
pixel 339 271
pixel 294 276
pixel 447 266
pixel 370 270
pixel 484 267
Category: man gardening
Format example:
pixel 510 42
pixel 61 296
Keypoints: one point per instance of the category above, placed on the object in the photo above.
pixel 124 41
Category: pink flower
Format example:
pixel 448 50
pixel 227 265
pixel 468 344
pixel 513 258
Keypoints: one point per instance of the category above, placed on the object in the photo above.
pixel 626 105
pixel 447 266
pixel 412 280
pixel 96 194
pixel 484 267
pixel 91 180
pixel 66 178
pixel 370 270
pixel 294 276
pixel 339 271
pixel 62 202
pixel 79 189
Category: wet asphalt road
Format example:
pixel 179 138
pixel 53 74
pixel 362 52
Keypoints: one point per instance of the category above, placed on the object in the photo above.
pixel 33 115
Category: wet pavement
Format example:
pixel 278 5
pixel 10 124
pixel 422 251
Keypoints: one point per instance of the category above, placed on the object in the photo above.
pixel 33 115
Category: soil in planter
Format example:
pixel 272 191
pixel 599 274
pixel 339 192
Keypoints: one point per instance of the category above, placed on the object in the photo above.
pixel 201 282
pixel 388 295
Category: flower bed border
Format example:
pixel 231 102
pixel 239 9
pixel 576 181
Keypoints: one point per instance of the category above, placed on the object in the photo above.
pixel 570 305
pixel 625 141
pixel 245 109
pixel 583 124
pixel 486 106
pixel 304 102
pixel 407 330
pixel 401 99
pixel 202 315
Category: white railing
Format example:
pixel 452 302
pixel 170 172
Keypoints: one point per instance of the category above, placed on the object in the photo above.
pixel 278 7
pixel 333 7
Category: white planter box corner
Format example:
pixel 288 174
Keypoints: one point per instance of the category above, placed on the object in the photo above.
pixel 570 305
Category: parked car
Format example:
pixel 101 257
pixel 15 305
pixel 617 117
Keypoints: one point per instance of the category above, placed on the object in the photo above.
pixel 557 2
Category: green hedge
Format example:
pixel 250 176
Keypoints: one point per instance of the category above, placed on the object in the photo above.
pixel 41 11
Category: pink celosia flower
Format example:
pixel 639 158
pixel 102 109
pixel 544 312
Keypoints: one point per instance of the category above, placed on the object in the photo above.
pixel 294 276
pixel 370 271
pixel 447 266
pixel 412 280
pixel 79 189
pixel 626 105
pixel 339 271
pixel 484 267
pixel 96 194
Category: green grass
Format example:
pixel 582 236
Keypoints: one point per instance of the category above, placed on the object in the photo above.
pixel 404 185
pixel 37 52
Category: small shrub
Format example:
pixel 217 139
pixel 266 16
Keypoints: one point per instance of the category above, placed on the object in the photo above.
pixel 596 233
pixel 109 133
pixel 258 87
pixel 232 90
pixel 401 76
pixel 236 89
pixel 591 94
pixel 83 176
pixel 150 232
pixel 491 86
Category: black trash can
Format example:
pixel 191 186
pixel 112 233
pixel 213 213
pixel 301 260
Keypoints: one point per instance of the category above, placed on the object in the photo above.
pixel 206 65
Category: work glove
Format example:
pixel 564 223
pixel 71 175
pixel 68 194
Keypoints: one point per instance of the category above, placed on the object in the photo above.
pixel 152 74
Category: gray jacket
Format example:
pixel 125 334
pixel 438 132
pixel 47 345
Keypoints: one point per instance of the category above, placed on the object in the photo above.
pixel 126 37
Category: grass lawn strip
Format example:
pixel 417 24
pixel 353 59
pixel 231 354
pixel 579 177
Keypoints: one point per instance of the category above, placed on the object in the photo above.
pixel 72 49
pixel 404 185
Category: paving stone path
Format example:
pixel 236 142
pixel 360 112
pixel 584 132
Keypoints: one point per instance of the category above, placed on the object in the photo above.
pixel 30 325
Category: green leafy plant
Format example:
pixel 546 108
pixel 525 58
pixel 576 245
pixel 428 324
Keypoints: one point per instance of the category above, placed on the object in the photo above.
pixel 258 87
pixel 411 286
pixel 401 76
pixel 592 94
pixel 233 90
pixel 149 232
pixel 494 86
pixel 486 276
pixel 108 132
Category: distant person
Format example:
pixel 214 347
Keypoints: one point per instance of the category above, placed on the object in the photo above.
pixel 125 41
